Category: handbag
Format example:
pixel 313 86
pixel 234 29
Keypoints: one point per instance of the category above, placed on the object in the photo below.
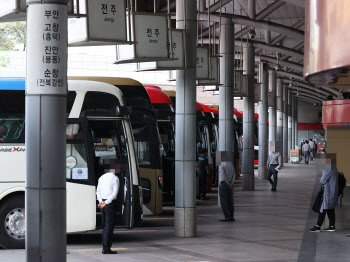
pixel 316 207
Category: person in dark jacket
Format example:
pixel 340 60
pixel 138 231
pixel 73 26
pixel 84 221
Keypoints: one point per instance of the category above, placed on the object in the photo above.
pixel 203 171
pixel 329 181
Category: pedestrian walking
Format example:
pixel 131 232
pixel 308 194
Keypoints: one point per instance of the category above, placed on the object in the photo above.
pixel 226 180
pixel 203 171
pixel 274 162
pixel 329 182
pixel 107 192
pixel 306 152
pixel 312 149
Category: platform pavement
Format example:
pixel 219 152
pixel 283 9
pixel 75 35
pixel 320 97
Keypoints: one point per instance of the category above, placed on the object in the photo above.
pixel 270 227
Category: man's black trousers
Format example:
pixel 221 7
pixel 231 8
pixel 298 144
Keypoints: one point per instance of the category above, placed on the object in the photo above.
pixel 274 172
pixel 331 217
pixel 226 200
pixel 108 219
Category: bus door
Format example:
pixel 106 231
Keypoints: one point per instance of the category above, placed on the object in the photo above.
pixel 111 147
pixel 80 179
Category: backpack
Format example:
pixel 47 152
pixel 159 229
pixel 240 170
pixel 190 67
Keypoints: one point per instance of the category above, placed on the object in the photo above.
pixel 341 184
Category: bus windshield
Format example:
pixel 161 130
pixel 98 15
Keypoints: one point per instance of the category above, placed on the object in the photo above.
pixel 167 136
pixel 109 143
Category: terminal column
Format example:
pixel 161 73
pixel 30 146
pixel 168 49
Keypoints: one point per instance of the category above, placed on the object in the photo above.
pixel 296 121
pixel 226 123
pixel 285 123
pixel 263 123
pixel 272 106
pixel 290 121
pixel 293 122
pixel 185 142
pixel 45 133
pixel 248 119
pixel 279 129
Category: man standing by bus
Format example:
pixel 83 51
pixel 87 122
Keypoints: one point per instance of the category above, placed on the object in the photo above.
pixel 107 192
pixel 273 164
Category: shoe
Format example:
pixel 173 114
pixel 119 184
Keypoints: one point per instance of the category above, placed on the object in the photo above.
pixel 315 229
pixel 232 219
pixel 330 229
pixel 273 190
pixel 109 252
pixel 225 220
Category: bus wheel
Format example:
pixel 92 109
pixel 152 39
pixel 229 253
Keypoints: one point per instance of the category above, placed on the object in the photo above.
pixel 12 223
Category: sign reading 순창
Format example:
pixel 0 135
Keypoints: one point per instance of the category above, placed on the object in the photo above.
pixel 202 63
pixel 47 49
pixel 150 32
pixel 105 24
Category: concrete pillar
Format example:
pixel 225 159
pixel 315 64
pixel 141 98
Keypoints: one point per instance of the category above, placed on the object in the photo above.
pixel 226 89
pixel 290 121
pixel 263 123
pixel 297 142
pixel 272 106
pixel 248 119
pixel 267 37
pixel 46 134
pixel 285 124
pixel 293 121
pixel 279 129
pixel 185 142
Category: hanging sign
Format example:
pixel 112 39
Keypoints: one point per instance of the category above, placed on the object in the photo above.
pixel 150 32
pixel 214 73
pixel 177 54
pixel 47 49
pixel 105 24
pixel 12 10
pixel 202 63
pixel 241 84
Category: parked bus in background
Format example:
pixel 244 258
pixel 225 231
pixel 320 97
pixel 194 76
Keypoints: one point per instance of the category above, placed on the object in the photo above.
pixel 98 133
pixel 147 141
pixel 165 114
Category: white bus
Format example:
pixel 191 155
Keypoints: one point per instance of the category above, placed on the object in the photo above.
pixel 98 132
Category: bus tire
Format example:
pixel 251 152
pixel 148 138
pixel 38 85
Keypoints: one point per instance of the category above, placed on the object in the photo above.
pixel 12 224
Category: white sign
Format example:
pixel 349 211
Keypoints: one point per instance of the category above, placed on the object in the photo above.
pixel 71 162
pixel 150 32
pixel 213 73
pixel 12 10
pixel 177 51
pixel 80 173
pixel 202 63
pixel 106 21
pixel 47 49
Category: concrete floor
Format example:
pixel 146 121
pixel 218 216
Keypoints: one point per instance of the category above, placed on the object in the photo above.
pixel 269 227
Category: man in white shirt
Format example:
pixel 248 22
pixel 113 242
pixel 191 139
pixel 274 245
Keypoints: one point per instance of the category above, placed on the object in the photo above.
pixel 306 152
pixel 107 192
pixel 227 177
pixel 274 163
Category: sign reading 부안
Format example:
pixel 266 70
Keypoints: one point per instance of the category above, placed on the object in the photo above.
pixel 47 49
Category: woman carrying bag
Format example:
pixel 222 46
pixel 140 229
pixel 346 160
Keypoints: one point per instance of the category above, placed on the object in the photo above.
pixel 329 181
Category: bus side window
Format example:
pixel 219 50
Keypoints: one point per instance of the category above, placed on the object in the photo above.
pixel 12 129
pixel 76 157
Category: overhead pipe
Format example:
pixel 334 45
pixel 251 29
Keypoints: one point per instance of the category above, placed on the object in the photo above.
pixel 262 24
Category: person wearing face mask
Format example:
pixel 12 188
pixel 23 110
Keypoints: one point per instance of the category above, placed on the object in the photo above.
pixel 329 181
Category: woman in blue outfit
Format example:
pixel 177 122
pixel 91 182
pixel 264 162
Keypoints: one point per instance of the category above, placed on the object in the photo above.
pixel 329 180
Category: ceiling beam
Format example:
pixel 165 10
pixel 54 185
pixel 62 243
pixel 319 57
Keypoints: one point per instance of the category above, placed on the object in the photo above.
pixel 280 37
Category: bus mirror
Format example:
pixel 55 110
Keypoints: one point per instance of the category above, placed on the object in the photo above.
pixel 123 110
